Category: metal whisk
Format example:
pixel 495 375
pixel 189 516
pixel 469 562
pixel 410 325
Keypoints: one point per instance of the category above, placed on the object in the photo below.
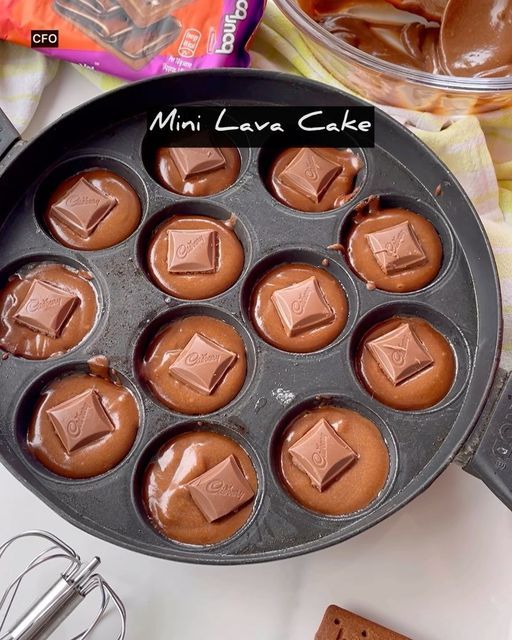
pixel 49 611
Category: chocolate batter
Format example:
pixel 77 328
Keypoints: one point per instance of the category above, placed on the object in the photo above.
pixel 270 325
pixel 421 390
pixel 369 219
pixel 359 484
pixel 120 222
pixel 203 182
pixel 19 339
pixel 314 180
pixel 167 500
pixel 416 45
pixel 429 9
pixel 104 452
pixel 166 347
pixel 198 281
pixel 453 37
pixel 476 37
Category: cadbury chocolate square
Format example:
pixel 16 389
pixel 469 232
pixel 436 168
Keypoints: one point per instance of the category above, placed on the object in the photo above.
pixel 322 454
pixel 221 490
pixel 302 306
pixel 46 308
pixel 192 161
pixel 192 251
pixel 202 364
pixel 396 248
pixel 310 174
pixel 80 420
pixel 83 207
pixel 400 354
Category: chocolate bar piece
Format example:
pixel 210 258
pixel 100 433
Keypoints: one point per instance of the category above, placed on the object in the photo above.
pixel 202 364
pixel 146 43
pixel 322 454
pixel 400 354
pixel 396 248
pixel 221 490
pixel 104 8
pixel 310 174
pixel 302 306
pixel 117 33
pixel 144 13
pixel 192 250
pixel 80 420
pixel 340 624
pixel 195 160
pixel 83 207
pixel 46 308
pixel 107 25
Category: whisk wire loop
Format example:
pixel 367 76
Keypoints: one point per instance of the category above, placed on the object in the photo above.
pixel 73 585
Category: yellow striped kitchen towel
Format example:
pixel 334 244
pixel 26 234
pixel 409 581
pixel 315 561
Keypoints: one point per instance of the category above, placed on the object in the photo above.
pixel 24 73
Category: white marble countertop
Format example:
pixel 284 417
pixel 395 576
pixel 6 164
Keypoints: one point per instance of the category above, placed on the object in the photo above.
pixel 440 569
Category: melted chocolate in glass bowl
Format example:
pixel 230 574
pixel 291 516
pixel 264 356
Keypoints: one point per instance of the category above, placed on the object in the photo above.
pixel 455 37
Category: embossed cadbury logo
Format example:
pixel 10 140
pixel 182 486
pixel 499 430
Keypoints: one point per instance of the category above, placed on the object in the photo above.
pixel 299 305
pixel 223 488
pixel 393 245
pixel 74 427
pixel 186 248
pixel 82 201
pixel 41 304
pixel 319 457
pixel 196 358
pixel 312 168
pixel 399 351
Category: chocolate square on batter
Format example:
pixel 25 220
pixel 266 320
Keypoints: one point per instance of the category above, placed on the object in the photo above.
pixel 192 250
pixel 302 306
pixel 80 420
pixel 322 454
pixel 192 161
pixel 202 364
pixel 46 308
pixel 396 248
pixel 221 490
pixel 83 207
pixel 310 174
pixel 400 354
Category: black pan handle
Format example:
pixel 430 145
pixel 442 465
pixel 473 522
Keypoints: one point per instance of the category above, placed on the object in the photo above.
pixel 488 453
pixel 8 134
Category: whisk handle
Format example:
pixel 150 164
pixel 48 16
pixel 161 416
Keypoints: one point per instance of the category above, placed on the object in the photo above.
pixel 47 613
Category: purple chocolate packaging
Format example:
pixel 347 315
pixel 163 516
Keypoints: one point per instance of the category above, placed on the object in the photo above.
pixel 135 39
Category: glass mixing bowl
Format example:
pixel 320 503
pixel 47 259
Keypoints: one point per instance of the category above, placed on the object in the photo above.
pixel 390 84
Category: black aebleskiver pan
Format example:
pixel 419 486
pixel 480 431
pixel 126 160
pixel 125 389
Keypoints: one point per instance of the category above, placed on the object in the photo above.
pixel 473 425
